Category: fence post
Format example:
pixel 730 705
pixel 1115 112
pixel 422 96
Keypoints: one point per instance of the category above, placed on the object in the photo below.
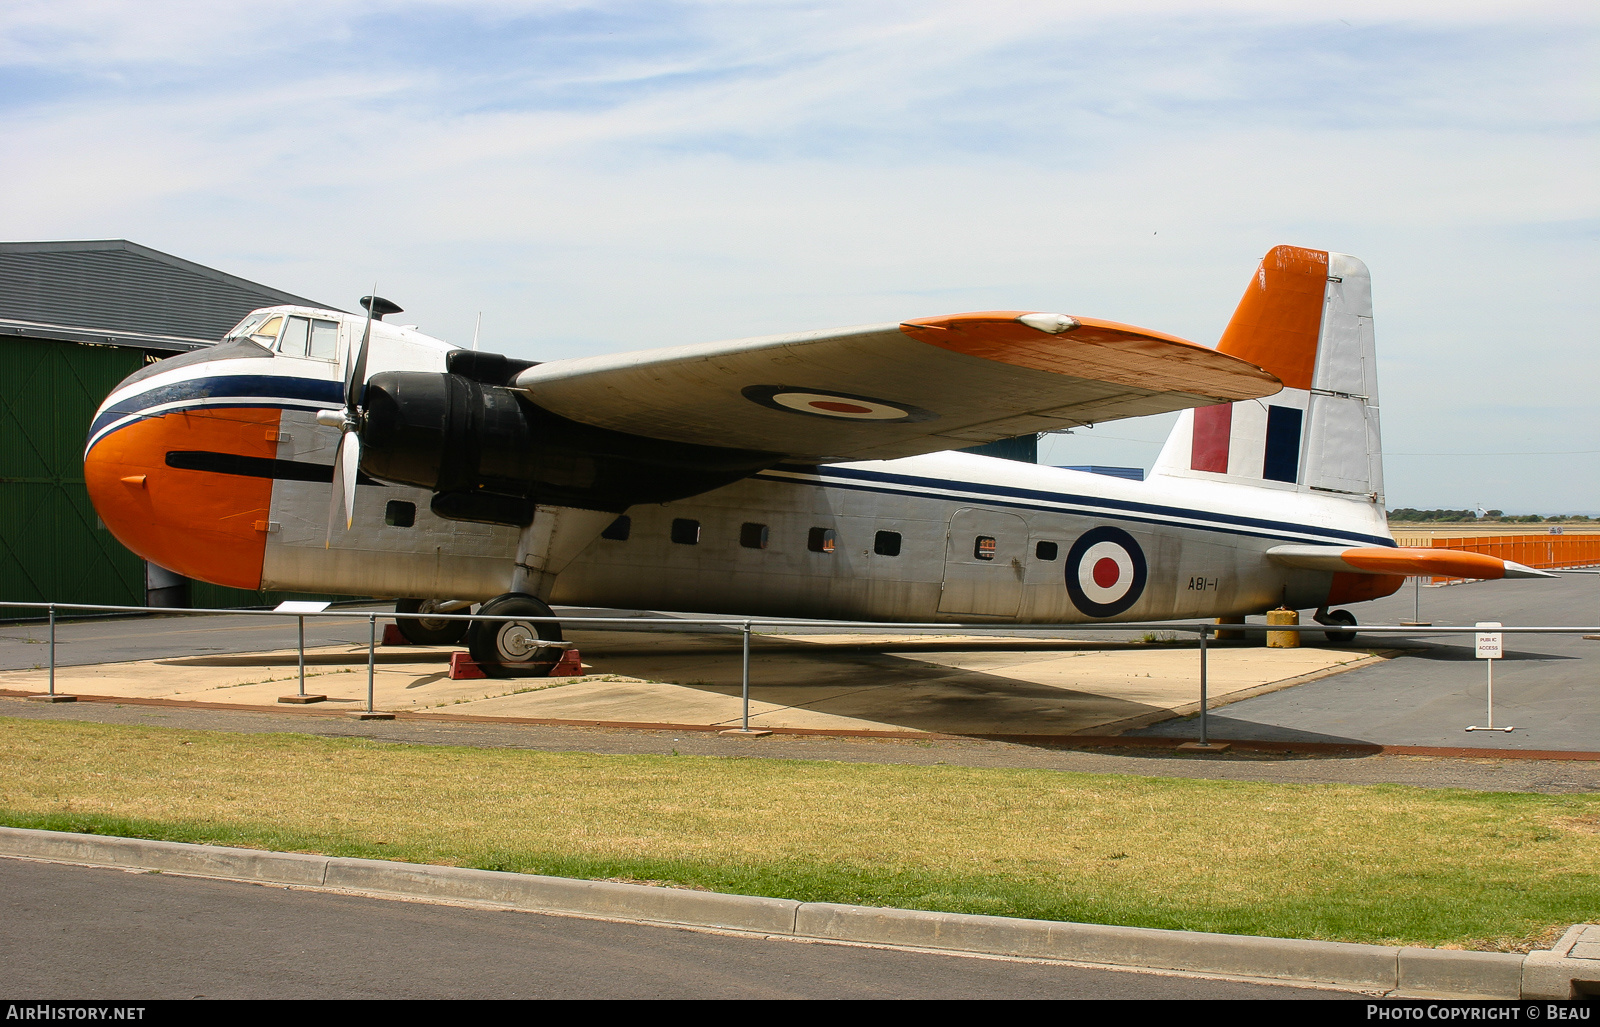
pixel 744 691
pixel 302 620
pixel 744 678
pixel 372 649
pixel 52 648
pixel 1204 744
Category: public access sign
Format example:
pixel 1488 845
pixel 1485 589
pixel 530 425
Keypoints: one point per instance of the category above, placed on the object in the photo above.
pixel 1490 643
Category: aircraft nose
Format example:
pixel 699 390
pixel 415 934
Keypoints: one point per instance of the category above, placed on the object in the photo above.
pixel 199 523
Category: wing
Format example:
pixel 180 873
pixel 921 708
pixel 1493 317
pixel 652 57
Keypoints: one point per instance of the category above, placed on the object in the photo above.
pixel 892 390
pixel 1444 563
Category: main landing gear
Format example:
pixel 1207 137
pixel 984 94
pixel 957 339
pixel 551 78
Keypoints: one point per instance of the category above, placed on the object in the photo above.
pixel 515 648
pixel 420 631
pixel 1344 618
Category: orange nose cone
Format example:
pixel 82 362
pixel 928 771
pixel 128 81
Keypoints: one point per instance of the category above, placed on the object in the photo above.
pixel 200 524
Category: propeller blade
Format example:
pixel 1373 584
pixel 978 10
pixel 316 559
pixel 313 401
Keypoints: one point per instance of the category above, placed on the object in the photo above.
pixel 357 367
pixel 350 458
pixel 334 492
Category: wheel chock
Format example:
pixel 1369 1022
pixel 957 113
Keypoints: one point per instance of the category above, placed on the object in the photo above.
pixel 463 669
pixel 570 665
pixel 392 636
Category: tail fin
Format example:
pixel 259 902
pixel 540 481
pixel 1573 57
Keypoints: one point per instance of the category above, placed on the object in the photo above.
pixel 1307 318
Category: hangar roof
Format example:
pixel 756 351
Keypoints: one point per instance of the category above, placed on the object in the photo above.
pixel 113 291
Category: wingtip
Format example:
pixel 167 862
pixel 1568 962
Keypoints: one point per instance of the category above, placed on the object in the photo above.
pixel 1517 570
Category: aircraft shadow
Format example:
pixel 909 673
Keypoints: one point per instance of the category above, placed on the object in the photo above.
pixel 884 682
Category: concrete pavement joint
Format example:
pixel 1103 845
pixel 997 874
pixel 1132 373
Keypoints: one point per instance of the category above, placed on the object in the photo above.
pixel 1386 969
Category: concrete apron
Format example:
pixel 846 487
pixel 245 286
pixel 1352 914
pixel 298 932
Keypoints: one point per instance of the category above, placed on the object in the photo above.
pixel 897 683
pixel 1388 970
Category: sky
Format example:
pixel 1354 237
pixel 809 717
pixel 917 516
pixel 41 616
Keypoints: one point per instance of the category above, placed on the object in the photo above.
pixel 601 177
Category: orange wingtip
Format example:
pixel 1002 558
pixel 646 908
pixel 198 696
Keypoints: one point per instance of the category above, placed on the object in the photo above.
pixel 1096 349
pixel 1426 562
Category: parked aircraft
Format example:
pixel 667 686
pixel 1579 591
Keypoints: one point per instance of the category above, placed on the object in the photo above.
pixel 805 475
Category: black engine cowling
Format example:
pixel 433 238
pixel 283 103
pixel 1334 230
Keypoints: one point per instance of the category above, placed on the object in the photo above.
pixel 446 433
pixel 480 445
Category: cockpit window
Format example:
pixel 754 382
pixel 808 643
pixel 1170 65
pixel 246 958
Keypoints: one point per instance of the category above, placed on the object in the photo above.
pixel 243 328
pixel 324 339
pixel 292 343
pixel 309 337
pixel 267 333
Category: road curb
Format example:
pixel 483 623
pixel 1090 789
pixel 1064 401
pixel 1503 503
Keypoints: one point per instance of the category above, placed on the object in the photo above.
pixel 1389 969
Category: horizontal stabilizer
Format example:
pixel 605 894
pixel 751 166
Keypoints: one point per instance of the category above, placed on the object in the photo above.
pixel 1438 563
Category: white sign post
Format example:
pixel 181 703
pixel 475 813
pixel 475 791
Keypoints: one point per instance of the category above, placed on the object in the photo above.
pixel 1491 647
pixel 302 608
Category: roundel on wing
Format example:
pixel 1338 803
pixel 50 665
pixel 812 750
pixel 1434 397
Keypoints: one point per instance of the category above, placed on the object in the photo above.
pixel 841 406
pixel 1106 572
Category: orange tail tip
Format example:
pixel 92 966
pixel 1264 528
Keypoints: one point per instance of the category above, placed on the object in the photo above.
pixel 1276 324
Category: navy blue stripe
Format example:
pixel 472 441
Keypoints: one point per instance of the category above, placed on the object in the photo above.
pixel 1097 501
pixel 1042 509
pixel 281 387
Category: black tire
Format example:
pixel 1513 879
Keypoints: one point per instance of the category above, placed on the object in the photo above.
pixel 1341 617
pixel 510 648
pixel 429 632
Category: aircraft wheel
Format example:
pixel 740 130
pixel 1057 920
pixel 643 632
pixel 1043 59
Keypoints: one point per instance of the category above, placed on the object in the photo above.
pixel 1341 617
pixel 428 632
pixel 511 648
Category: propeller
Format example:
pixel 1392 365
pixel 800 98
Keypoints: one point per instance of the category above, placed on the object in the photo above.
pixel 347 458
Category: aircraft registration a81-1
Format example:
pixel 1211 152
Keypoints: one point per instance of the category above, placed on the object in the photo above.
pixel 805 475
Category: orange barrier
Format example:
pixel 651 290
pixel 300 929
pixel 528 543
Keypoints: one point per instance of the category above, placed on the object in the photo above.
pixel 1542 551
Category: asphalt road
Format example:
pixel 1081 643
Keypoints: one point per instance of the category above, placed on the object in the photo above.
pixel 75 932
pixel 1547 686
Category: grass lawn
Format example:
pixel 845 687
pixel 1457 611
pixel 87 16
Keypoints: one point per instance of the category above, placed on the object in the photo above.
pixel 1388 864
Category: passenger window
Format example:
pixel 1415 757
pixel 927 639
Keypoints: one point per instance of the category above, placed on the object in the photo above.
pixel 822 540
pixel 267 334
pixel 686 532
pixel 324 339
pixel 887 543
pixel 1046 550
pixel 293 341
pixel 619 529
pixel 983 547
pixel 400 514
pixel 753 536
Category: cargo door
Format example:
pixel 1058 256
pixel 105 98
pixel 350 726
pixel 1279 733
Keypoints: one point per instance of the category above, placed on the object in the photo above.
pixel 983 564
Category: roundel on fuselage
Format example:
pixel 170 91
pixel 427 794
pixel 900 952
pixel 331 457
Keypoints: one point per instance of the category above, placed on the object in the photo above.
pixel 1106 572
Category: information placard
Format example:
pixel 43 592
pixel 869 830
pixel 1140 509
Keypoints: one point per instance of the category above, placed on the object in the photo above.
pixel 1490 643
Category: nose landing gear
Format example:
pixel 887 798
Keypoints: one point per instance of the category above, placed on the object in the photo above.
pixel 515 648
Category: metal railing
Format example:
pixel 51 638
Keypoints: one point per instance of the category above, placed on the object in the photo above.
pixel 1204 630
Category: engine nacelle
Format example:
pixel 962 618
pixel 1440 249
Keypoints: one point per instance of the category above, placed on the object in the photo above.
pixel 490 454
pixel 447 433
